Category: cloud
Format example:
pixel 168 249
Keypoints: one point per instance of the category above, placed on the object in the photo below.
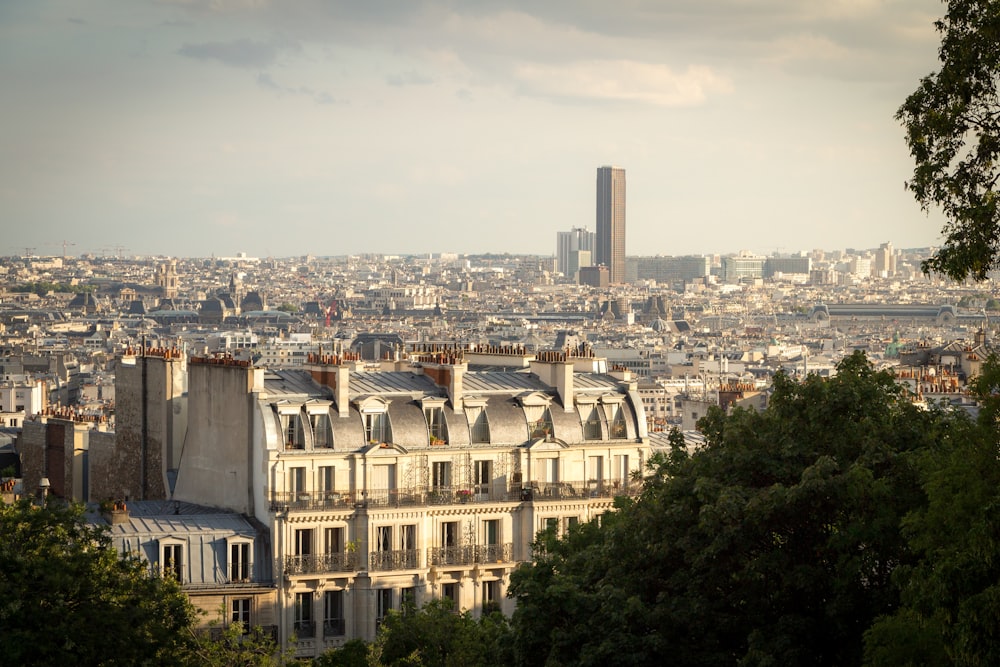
pixel 265 80
pixel 241 53
pixel 409 78
pixel 624 81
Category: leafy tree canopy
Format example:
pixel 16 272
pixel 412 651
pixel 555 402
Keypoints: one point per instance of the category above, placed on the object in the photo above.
pixel 774 544
pixel 952 124
pixel 951 595
pixel 67 597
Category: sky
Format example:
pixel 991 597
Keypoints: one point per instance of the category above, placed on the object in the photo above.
pixel 205 128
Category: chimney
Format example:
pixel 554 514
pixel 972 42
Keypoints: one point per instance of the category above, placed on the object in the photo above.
pixel 456 392
pixel 341 391
pixel 119 513
pixel 334 371
pixel 555 368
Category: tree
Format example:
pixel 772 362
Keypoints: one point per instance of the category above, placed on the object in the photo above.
pixel 437 636
pixel 952 124
pixel 67 597
pixel 236 648
pixel 773 544
pixel 950 612
pixel 354 653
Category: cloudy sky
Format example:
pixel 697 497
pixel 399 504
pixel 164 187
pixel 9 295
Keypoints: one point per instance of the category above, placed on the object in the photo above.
pixel 286 127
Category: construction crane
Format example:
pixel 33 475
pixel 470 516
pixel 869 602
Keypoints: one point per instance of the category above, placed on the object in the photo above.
pixel 64 244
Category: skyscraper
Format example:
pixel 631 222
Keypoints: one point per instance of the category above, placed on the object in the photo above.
pixel 610 250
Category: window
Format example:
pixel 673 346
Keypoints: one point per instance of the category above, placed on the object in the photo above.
pixel 618 428
pixel 449 534
pixel 436 428
pixel 491 596
pixel 408 537
pixel 304 615
pixel 595 469
pixel 303 542
pixel 383 604
pixel 407 599
pixel 491 532
pixel 297 482
pixel 571 522
pixel 239 562
pixel 441 474
pixel 620 471
pixel 383 479
pixel 327 481
pixel 321 430
pixel 539 422
pixel 333 614
pixel 293 431
pixel 173 561
pixel 479 425
pixel 552 524
pixel 333 539
pixel 483 477
pixel 377 427
pixel 240 613
pixel 592 424
pixel 383 538
pixel 450 592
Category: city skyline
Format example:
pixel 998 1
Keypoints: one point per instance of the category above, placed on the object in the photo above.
pixel 200 128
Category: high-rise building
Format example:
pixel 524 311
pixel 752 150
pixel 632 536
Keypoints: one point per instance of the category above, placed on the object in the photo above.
pixel 610 247
pixel 885 261
pixel 566 242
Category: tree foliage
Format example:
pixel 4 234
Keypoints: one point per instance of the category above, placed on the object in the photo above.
pixel 951 595
pixel 67 597
pixel 952 123
pixel 437 636
pixel 774 544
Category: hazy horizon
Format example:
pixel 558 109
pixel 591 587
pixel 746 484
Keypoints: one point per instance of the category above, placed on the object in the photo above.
pixel 209 127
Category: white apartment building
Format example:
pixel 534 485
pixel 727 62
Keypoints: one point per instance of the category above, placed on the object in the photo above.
pixel 422 480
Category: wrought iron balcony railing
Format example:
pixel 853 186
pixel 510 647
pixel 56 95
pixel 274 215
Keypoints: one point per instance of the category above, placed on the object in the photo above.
pixel 345 561
pixel 453 495
pixel 401 559
pixel 470 554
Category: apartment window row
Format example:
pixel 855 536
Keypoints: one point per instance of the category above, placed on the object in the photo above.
pixel 331 615
pixel 301 428
pixel 238 565
pixel 592 415
pixel 324 483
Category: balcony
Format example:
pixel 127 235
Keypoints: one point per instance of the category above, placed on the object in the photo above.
pixel 319 563
pixel 541 491
pixel 402 559
pixel 334 627
pixel 303 500
pixel 304 629
pixel 470 554
pixel 452 495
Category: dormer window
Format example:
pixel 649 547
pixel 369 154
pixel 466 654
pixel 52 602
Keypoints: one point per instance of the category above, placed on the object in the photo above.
pixel 377 428
pixel 479 425
pixel 375 414
pixel 591 422
pixel 239 565
pixel 539 422
pixel 322 432
pixel 172 559
pixel 437 429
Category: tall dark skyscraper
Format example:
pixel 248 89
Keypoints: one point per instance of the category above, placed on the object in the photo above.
pixel 610 250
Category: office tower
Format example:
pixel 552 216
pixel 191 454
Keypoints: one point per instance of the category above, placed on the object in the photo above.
pixel 885 261
pixel 610 249
pixel 567 242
